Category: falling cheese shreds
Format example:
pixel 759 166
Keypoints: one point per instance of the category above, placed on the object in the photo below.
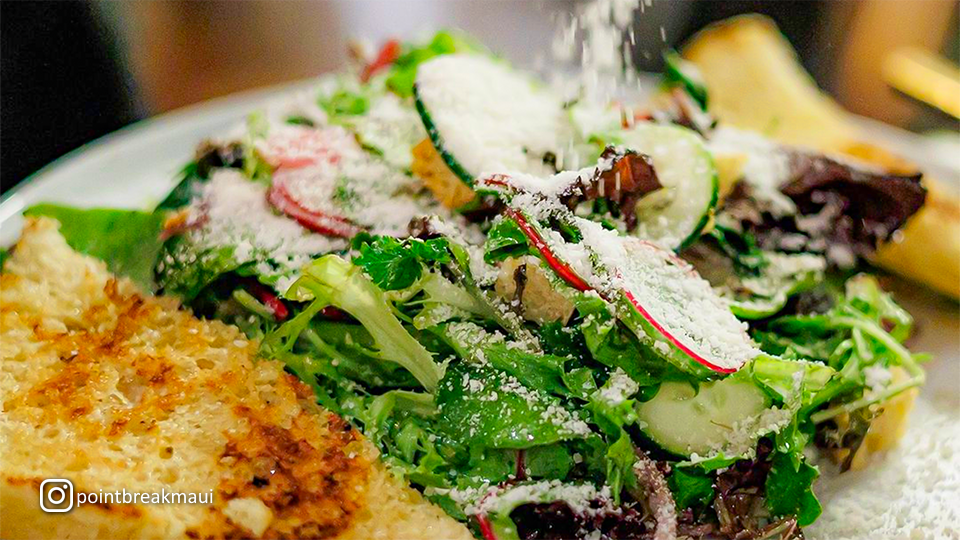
pixel 767 166
pixel 912 493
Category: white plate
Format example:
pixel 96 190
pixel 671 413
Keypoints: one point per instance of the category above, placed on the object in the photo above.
pixel 136 166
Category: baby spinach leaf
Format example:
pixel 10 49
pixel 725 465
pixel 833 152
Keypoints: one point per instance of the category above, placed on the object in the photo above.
pixel 127 240
pixel 484 407
pixel 691 487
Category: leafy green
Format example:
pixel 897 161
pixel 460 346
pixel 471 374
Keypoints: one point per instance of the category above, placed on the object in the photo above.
pixel 332 281
pixel 550 461
pixel 612 344
pixel 849 338
pixel 679 72
pixel 4 255
pixel 403 72
pixel 344 102
pixel 541 371
pixel 505 239
pixel 691 487
pixel 789 490
pixel 186 268
pixel 394 264
pixel 484 407
pixel 127 240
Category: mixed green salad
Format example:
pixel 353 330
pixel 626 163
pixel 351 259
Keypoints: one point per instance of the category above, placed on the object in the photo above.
pixel 537 306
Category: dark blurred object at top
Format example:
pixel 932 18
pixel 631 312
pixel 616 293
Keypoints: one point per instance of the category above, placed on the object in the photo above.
pixel 62 84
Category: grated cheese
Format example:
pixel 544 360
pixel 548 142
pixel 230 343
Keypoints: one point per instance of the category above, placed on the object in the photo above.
pixel 490 117
pixel 766 169
pixel 233 211
pixel 913 494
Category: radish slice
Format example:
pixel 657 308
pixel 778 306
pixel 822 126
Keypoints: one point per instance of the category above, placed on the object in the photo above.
pixel 315 221
pixel 659 296
pixel 388 54
pixel 294 147
pixel 536 240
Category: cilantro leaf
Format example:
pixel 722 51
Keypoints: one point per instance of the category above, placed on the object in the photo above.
pixel 790 489
pixel 691 487
pixel 393 264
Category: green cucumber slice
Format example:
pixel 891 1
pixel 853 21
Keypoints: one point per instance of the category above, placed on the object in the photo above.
pixel 687 422
pixel 676 215
pixel 762 296
pixel 482 116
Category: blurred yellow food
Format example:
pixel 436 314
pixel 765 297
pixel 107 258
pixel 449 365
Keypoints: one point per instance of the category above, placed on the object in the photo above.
pixel 429 166
pixel 926 77
pixel 756 83
pixel 886 429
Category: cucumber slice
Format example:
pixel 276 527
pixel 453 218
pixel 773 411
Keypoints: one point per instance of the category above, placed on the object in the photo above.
pixel 676 215
pixel 765 295
pixel 686 422
pixel 482 116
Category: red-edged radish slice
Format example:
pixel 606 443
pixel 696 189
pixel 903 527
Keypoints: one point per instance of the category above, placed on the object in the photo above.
pixel 268 298
pixel 536 240
pixel 314 220
pixel 293 147
pixel 671 308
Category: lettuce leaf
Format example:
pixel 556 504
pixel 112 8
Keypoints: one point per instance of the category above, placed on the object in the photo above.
pixel 127 240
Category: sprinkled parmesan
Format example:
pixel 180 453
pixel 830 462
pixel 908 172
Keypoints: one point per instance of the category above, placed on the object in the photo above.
pixel 583 499
pixel 326 171
pixel 766 169
pixel 232 211
pixel 490 117
pixel 619 388
pixel 913 494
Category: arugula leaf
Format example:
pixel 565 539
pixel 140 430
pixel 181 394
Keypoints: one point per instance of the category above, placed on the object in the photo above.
pixel 486 408
pixel 691 487
pixel 789 489
pixel 393 264
pixel 127 240
pixel 4 255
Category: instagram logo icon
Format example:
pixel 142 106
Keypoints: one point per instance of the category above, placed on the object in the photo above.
pixel 56 495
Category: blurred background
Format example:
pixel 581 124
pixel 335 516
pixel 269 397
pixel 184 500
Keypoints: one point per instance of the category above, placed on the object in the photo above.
pixel 75 70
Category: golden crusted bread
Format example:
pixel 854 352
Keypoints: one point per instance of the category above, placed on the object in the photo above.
pixel 115 390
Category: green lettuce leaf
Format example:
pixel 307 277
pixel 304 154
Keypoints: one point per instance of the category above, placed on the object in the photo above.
pixel 127 240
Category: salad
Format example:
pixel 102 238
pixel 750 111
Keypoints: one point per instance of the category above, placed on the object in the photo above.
pixel 557 317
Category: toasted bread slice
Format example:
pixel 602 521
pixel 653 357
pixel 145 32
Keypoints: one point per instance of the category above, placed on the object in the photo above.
pixel 115 390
